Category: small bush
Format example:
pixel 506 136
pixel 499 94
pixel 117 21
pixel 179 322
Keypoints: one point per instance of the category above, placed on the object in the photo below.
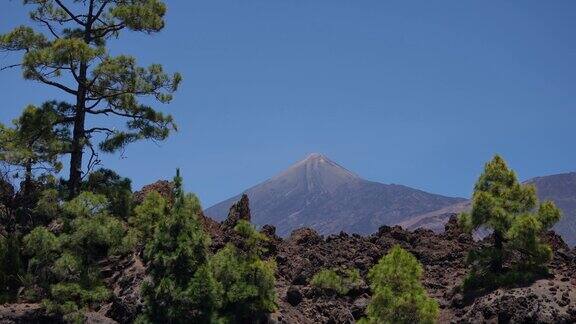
pixel 69 311
pixel 68 267
pixel 43 247
pixel 352 278
pixel 29 291
pixel 63 292
pixel 70 299
pixel 329 280
pixel 332 281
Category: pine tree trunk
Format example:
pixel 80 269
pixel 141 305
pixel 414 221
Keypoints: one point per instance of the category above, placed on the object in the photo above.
pixel 77 152
pixel 78 135
pixel 79 132
pixel 496 265
pixel 27 178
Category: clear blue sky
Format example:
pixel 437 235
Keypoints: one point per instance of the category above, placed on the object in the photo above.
pixel 419 93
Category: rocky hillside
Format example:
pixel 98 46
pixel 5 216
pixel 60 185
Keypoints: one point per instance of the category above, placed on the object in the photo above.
pixel 550 299
pixel 305 252
pixel 318 193
pixel 559 188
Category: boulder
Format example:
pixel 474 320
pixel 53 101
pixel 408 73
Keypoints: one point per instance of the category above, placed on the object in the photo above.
pixel 294 296
pixel 163 187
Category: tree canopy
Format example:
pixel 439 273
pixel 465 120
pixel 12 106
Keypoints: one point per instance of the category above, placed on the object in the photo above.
pixel 182 288
pixel 34 142
pixel 66 264
pixel 510 209
pixel 397 294
pixel 247 280
pixel 71 55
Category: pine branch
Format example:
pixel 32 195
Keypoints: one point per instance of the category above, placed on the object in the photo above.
pixel 74 17
pixel 10 66
pixel 52 31
pixel 99 129
pixel 55 84
pixel 100 10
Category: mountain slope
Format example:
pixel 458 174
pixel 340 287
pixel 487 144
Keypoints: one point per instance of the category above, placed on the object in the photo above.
pixel 437 219
pixel 559 188
pixel 317 192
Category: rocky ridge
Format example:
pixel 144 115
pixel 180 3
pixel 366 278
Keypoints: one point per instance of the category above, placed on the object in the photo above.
pixel 305 252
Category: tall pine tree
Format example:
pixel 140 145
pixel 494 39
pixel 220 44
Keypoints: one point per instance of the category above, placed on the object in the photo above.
pixel 508 208
pixel 182 289
pixel 70 54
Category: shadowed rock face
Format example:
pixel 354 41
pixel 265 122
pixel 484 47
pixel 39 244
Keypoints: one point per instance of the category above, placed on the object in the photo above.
pixel 238 211
pixel 559 188
pixel 318 193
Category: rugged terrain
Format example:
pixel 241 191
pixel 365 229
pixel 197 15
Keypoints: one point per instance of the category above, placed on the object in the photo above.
pixel 318 193
pixel 550 299
pixel 559 188
pixel 305 252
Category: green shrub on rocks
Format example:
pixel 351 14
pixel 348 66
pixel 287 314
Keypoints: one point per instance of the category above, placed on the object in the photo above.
pixel 397 293
pixel 67 264
pixel 340 282
pixel 247 280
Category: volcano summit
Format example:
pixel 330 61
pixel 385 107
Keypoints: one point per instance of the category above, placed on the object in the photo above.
pixel 319 193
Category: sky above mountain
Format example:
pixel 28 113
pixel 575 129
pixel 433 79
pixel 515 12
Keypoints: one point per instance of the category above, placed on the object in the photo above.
pixel 419 93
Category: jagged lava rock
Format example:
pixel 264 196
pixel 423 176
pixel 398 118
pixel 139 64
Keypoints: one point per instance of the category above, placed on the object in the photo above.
pixel 164 187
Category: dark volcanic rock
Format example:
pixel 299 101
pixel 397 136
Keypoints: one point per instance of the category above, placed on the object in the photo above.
pixel 269 231
pixel 25 313
pixel 304 236
pixel 359 306
pixel 239 211
pixel 523 305
pixel 443 256
pixel 294 296
pixel 124 276
pixel 163 187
